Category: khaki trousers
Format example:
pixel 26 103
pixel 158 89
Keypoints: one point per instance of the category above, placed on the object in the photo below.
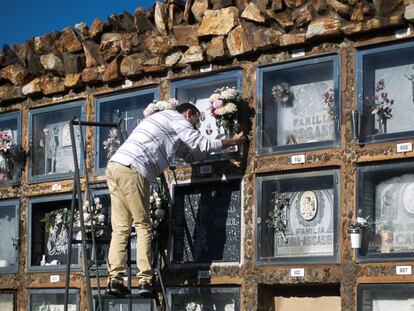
pixel 130 194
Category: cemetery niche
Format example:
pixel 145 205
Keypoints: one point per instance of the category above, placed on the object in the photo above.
pixel 219 298
pixel 386 92
pixel 51 155
pixel 126 108
pixel 52 299
pixel 48 234
pixel 297 217
pixel 11 152
pixel 298 105
pixel 132 302
pixel 9 231
pixel 205 222
pixel 386 199
pixel 202 92
pixel 385 297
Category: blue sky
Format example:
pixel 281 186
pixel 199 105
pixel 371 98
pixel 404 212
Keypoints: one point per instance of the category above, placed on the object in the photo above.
pixel 21 20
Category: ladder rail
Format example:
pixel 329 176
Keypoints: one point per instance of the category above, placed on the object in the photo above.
pixel 77 196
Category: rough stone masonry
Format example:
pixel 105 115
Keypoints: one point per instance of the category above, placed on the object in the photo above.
pixel 175 35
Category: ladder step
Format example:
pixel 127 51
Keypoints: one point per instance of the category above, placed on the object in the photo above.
pixel 124 297
pixel 89 241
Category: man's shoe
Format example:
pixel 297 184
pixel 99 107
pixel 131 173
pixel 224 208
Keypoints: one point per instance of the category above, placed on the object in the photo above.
pixel 116 288
pixel 145 290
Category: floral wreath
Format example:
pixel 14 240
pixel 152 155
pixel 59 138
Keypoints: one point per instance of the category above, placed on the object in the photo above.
pixel 160 105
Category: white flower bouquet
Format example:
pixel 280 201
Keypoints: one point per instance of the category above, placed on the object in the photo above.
pixel 91 214
pixel 158 205
pixel 112 143
pixel 160 105
pixel 224 106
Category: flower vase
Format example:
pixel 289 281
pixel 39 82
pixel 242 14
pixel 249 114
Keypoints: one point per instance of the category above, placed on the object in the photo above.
pixel 229 132
pixel 382 125
pixel 387 237
pixel 356 237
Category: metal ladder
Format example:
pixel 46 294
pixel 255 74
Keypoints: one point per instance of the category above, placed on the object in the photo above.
pixel 77 204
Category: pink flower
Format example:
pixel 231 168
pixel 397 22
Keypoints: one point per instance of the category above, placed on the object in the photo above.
pixel 217 103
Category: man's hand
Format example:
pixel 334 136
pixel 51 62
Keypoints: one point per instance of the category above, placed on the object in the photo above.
pixel 237 139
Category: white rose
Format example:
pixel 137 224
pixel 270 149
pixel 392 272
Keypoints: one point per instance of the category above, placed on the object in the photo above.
pixel 86 217
pixel 230 108
pixel 161 105
pixel 101 218
pixel 151 199
pixel 214 97
pixel 220 111
pixel 157 202
pixel 96 201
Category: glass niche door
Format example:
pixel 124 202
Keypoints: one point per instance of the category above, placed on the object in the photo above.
pixel 385 297
pixel 48 228
pixel 386 197
pixel 11 152
pixel 204 298
pixel 198 91
pixel 298 105
pixel 51 155
pixel 385 89
pixel 52 299
pixel 126 108
pixel 9 231
pixel 297 219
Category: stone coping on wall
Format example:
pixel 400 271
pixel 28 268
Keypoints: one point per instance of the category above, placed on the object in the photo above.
pixel 174 35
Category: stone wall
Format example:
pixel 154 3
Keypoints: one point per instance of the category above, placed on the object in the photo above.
pixel 172 41
pixel 173 36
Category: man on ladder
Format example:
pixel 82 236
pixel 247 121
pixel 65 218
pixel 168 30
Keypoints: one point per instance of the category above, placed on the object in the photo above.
pixel 150 148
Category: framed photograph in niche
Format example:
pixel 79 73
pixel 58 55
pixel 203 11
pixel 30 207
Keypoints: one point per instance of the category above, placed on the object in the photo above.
pixel 48 227
pixel 51 154
pixel 206 222
pixel 9 231
pixel 298 105
pixel 11 152
pixel 226 298
pixel 385 92
pixel 198 92
pixel 297 217
pixel 385 297
pixel 386 195
pixel 52 299
pixel 7 301
pixel 125 107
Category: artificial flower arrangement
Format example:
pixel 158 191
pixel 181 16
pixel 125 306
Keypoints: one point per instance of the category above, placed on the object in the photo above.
pixel 356 229
pixel 112 143
pixel 381 106
pixel 328 99
pixel 360 223
pixel 158 204
pixel 225 103
pixel 5 140
pixel 282 94
pixel 93 213
pixel 277 217
pixel 160 105
pixel 9 155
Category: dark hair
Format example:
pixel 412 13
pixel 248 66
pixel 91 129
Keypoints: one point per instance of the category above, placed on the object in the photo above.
pixel 188 106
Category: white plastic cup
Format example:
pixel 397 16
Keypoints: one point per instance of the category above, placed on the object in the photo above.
pixel 356 238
